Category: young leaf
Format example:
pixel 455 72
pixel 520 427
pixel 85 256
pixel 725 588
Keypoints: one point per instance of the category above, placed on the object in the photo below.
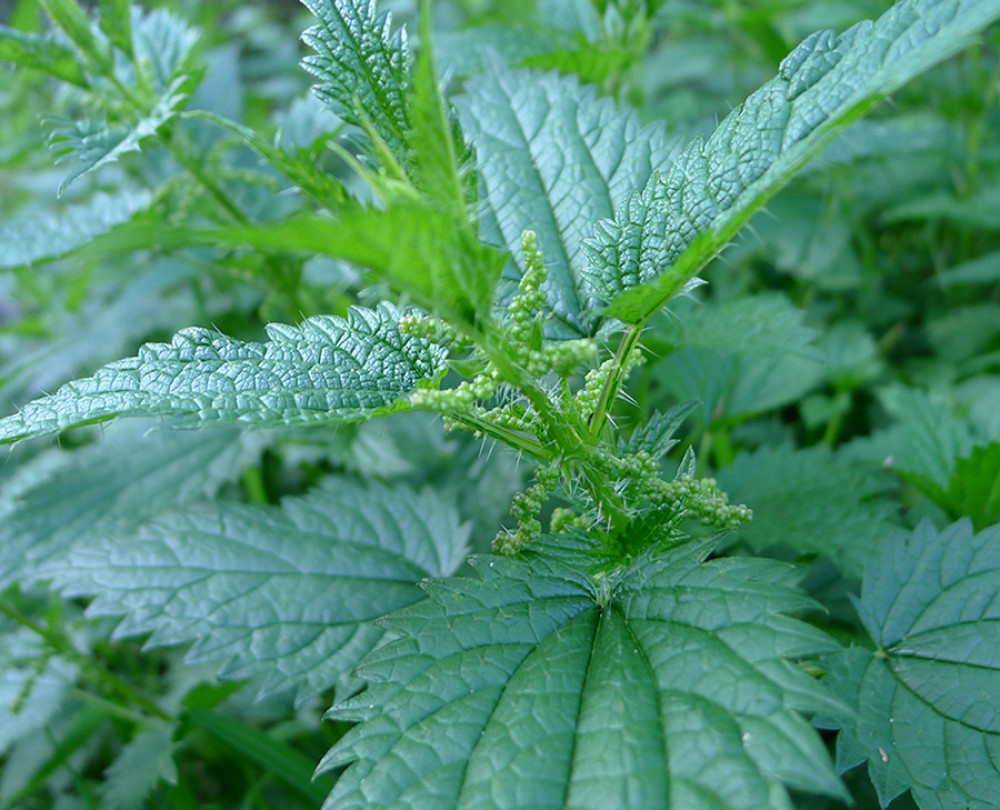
pixel 93 145
pixel 163 43
pixel 668 684
pixel 811 502
pixel 926 699
pixel 73 20
pixel 974 488
pixel 326 370
pixel 42 53
pixel 288 596
pixel 118 483
pixel 116 23
pixel 140 766
pixel 554 158
pixel 361 66
pixel 49 236
pixel 664 235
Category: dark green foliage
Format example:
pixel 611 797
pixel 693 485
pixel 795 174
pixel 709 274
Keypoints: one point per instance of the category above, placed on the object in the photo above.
pixel 469 305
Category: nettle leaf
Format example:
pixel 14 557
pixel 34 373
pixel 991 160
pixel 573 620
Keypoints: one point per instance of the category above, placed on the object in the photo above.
pixel 974 488
pixel 326 370
pixel 92 145
pixel 120 482
pixel 924 442
pixel 288 596
pixel 48 236
pixel 554 158
pixel 737 357
pixel 361 65
pixel 926 698
pixel 664 235
pixel 42 53
pixel 33 684
pixel 141 765
pixel 162 43
pixel 667 685
pixel 810 501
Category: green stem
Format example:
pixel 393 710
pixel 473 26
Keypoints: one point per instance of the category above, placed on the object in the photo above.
pixel 62 646
pixel 614 383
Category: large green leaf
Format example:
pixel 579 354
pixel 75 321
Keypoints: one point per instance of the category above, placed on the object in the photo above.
pixel 664 235
pixel 286 595
pixel 553 157
pixel 120 482
pixel 328 369
pixel 361 65
pixel 926 698
pixel 667 684
pixel 811 502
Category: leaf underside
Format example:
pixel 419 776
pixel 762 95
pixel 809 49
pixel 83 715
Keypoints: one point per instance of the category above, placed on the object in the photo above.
pixel 128 478
pixel 520 689
pixel 326 370
pixel 926 702
pixel 288 596
pixel 553 157
pixel 662 236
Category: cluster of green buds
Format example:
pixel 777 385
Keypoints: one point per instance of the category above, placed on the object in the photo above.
pixel 525 508
pixel 608 488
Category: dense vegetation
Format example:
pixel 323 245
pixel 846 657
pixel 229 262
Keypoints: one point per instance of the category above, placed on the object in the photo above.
pixel 657 309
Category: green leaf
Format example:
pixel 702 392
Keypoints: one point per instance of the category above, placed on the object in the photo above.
pixel 418 248
pixel 810 501
pixel 361 65
pixel 926 699
pixel 41 53
pixel 554 158
pixel 923 444
pixel 38 238
pixel 326 370
pixel 737 357
pixel 116 22
pixel 163 44
pixel 297 164
pixel 664 235
pixel 118 483
pixel 431 136
pixel 974 488
pixel 139 768
pixel 289 765
pixel 33 684
pixel 656 436
pixel 667 684
pixel 287 596
pixel 93 145
pixel 73 20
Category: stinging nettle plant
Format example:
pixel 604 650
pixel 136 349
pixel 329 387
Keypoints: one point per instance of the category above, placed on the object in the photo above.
pixel 517 240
